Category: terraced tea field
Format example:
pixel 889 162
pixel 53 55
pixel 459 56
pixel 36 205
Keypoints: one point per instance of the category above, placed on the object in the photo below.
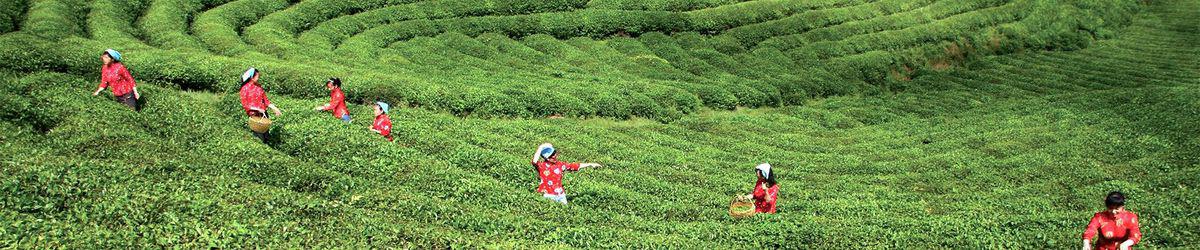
pixel 891 123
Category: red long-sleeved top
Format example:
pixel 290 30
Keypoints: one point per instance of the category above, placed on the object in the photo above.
pixel 253 98
pixel 383 124
pixel 337 102
pixel 551 172
pixel 116 76
pixel 764 198
pixel 1114 229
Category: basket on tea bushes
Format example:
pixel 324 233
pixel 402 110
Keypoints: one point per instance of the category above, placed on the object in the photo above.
pixel 741 207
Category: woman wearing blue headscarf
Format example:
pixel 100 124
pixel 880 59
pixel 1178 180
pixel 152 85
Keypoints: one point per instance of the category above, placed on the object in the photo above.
pixel 550 169
pixel 114 75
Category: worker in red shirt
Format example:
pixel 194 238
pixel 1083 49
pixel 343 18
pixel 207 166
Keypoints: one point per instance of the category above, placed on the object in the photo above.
pixel 766 190
pixel 114 75
pixel 337 100
pixel 545 162
pixel 254 98
pixel 383 123
pixel 1118 228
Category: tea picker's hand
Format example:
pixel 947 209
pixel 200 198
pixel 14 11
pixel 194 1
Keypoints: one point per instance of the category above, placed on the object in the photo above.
pixel 1126 245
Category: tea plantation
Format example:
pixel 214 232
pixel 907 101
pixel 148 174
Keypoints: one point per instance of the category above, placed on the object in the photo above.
pixel 893 124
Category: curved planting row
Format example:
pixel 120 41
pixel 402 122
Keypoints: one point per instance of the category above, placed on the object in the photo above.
pixel 276 33
pixel 112 21
pixel 166 24
pixel 197 71
pixel 750 35
pixel 926 14
pixel 684 5
pixel 332 33
pixel 54 19
pixel 586 22
pixel 219 28
pixel 948 42
pixel 721 18
pixel 555 68
pixel 271 28
pixel 11 14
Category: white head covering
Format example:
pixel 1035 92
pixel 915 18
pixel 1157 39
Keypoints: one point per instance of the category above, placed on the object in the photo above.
pixel 545 150
pixel 249 74
pixel 765 168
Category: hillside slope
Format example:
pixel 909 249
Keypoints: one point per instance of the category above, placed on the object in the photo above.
pixel 1011 151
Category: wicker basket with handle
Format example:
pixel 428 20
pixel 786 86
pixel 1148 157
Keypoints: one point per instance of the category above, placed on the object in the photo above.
pixel 259 124
pixel 741 207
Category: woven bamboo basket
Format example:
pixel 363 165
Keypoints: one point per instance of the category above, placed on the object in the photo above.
pixel 259 124
pixel 741 207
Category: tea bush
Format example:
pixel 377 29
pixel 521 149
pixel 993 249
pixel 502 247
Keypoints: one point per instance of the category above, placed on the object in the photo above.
pixel 11 15
pixel 166 23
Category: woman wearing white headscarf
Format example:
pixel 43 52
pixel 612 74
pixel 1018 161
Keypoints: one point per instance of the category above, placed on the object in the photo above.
pixel 765 190
pixel 254 99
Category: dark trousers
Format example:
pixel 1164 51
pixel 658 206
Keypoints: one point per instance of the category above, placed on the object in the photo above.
pixel 261 136
pixel 129 101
